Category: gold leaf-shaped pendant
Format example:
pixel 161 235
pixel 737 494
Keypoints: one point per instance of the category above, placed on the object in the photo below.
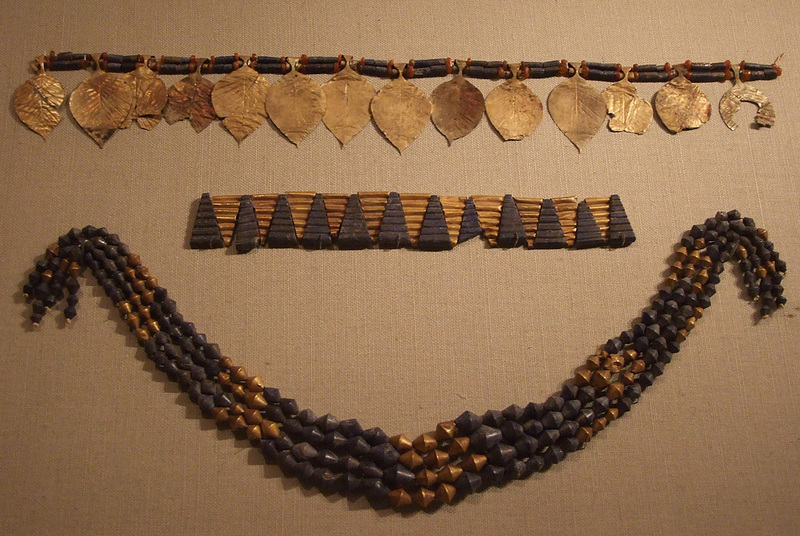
pixel 628 113
pixel 150 97
pixel 732 100
pixel 682 105
pixel 37 102
pixel 514 110
pixel 296 104
pixel 457 107
pixel 100 104
pixel 578 109
pixel 401 110
pixel 348 96
pixel 240 98
pixel 190 98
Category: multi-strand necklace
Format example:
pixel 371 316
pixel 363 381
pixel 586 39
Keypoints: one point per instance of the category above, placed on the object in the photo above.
pixel 456 458
pixel 243 98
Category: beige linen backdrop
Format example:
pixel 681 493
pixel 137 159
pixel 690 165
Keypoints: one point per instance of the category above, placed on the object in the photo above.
pixel 95 441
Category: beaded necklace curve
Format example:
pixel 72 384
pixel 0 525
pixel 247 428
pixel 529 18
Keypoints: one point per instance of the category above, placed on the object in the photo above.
pixel 243 99
pixel 460 457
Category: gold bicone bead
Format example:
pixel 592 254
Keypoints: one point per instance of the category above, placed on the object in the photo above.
pixel 270 429
pixel 601 379
pixel 583 376
pixel 627 378
pixel 697 312
pixel 615 390
pixel 238 374
pixel 593 362
pixel 237 423
pixel 237 409
pixel 253 416
pixel 697 287
pixel 220 415
pixel 425 443
pixel 399 498
pixel 401 442
pixel 584 434
pixel 638 366
pixel 671 280
pixel 151 283
pixel 134 259
pixel 427 478
pixel 689 271
pixel 681 335
pixel 450 473
pixel 125 307
pixel 700 243
pixel 445 430
pixel 445 493
pixel 705 262
pixel 629 355
pixel 74 269
pixel 614 363
pixel 458 446
pixel 681 253
pixel 132 320
pixel 253 432
pixel 138 285
pixel 741 252
pixel 762 233
pixel 225 363
pixel 599 424
pixel 148 297
pixel 474 463
pixel 152 326
pixel 423 497
pixel 255 384
pixel 612 414
pixel 437 458
pixel 694 256
pixel 224 379
pixel 690 323
pixel 142 335
pixel 676 267
pixel 702 276
pixel 255 400
pixel 411 459
pixel 761 273
pixel 51 252
pixel 237 390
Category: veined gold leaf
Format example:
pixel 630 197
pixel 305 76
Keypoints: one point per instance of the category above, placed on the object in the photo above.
pixel 732 100
pixel 100 104
pixel 457 107
pixel 296 104
pixel 190 98
pixel 150 97
pixel 514 110
pixel 348 96
pixel 578 109
pixel 628 112
pixel 240 98
pixel 37 101
pixel 401 110
pixel 682 105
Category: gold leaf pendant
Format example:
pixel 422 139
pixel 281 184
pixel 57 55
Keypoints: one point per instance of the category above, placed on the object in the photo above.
pixel 628 113
pixel 578 109
pixel 38 99
pixel 240 98
pixel 457 107
pixel 682 105
pixel 513 109
pixel 401 110
pixel 101 103
pixel 732 100
pixel 348 96
pixel 190 98
pixel 150 97
pixel 296 104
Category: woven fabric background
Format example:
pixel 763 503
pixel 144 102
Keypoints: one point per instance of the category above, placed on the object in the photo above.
pixel 95 441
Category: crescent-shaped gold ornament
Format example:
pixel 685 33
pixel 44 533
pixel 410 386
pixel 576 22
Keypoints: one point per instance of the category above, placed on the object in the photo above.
pixel 732 100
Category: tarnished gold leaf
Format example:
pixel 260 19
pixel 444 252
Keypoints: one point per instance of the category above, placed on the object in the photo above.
pixel 578 109
pixel 514 110
pixel 628 112
pixel 190 99
pixel 401 110
pixel 296 104
pixel 457 107
pixel 348 97
pixel 682 105
pixel 240 98
pixel 732 100
pixel 100 104
pixel 37 101
pixel 150 97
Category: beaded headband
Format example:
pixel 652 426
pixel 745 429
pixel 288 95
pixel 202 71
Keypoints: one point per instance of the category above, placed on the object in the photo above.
pixel 296 103
pixel 393 220
pixel 462 456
